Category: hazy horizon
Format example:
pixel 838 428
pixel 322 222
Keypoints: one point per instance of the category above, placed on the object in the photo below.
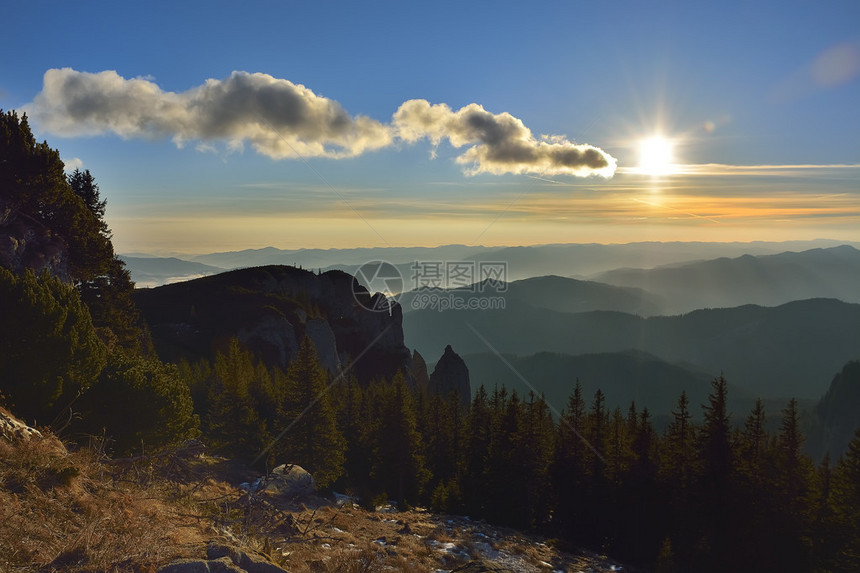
pixel 207 130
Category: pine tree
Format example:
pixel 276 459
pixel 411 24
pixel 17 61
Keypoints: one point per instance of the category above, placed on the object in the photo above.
pixel 139 400
pixel 399 468
pixel 568 467
pixel 108 291
pixel 49 351
pixel 846 504
pixel 311 437
pixel 715 479
pixel 234 425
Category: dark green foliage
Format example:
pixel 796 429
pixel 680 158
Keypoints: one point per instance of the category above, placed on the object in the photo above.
pixel 139 402
pixel 846 505
pixel 233 422
pixel 306 419
pixel 399 464
pixel 35 196
pixel 50 351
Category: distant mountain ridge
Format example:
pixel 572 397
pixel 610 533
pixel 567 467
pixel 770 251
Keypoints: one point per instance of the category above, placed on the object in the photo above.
pixel 552 292
pixel 766 279
pixel 579 260
pixel 789 350
pixel 157 271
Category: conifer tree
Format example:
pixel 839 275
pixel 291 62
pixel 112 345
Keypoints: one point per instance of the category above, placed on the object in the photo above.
pixel 399 468
pixel 846 504
pixel 139 401
pixel 715 479
pixel 311 435
pixel 568 467
pixel 49 351
pixel 235 426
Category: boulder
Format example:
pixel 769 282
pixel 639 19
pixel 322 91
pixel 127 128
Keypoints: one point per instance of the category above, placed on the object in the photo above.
pixel 222 558
pixel 15 430
pixel 481 566
pixel 290 480
pixel 245 560
pixel 451 375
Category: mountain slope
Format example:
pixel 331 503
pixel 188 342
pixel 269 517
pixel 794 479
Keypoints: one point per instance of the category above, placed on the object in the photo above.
pixel 270 309
pixel 622 376
pixel 767 280
pixel 790 350
pixel 550 292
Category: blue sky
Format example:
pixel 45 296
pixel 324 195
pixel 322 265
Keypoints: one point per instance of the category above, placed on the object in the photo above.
pixel 422 124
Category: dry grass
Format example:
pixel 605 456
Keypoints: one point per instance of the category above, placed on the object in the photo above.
pixel 62 511
pixel 80 512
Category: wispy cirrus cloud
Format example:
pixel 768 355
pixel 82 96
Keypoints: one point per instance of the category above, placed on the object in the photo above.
pixel 281 119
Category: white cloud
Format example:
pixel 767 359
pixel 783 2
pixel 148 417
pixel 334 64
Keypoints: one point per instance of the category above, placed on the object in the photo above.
pixel 279 119
pixel 72 164
pixel 500 143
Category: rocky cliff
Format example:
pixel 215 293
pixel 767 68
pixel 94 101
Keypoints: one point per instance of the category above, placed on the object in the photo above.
pixel 270 309
pixel 451 375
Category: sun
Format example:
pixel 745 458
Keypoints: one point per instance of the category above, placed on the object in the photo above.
pixel 655 156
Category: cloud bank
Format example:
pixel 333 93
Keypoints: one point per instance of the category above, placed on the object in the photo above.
pixel 280 119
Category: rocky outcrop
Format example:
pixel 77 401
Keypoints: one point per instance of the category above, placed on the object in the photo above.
pixel 222 558
pixel 14 430
pixel 451 375
pixel 481 566
pixel 321 334
pixel 26 245
pixel 419 371
pixel 270 309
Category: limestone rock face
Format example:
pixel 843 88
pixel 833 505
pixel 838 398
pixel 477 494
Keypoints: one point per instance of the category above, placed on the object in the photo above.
pixel 321 334
pixel 273 337
pixel 270 309
pixel 26 246
pixel 451 375
pixel 419 371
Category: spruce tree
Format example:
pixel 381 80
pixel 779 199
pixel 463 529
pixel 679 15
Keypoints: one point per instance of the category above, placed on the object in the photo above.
pixel 399 468
pixel 234 424
pixel 306 418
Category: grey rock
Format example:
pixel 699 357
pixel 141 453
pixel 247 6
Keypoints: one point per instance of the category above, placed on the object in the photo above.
pixel 290 480
pixel 481 566
pixel 245 560
pixel 451 375
pixel 321 334
pixel 419 371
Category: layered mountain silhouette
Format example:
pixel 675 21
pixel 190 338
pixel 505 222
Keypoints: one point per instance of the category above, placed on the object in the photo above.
pixel 789 350
pixel 766 280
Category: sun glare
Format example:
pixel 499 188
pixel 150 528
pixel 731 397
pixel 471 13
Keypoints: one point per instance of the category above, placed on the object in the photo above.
pixel 655 156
